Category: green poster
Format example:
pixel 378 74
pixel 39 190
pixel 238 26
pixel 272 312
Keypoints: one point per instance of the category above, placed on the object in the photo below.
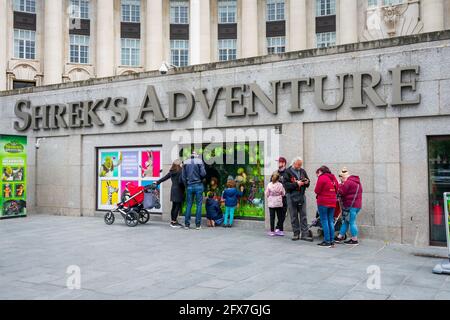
pixel 13 188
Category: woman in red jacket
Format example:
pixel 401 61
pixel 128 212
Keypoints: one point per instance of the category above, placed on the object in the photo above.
pixel 326 194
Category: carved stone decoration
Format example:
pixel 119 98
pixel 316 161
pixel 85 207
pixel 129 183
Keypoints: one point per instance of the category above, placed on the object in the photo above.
pixel 392 21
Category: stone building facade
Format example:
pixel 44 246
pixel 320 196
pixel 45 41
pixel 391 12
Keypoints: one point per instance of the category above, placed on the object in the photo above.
pixel 374 107
pixel 54 41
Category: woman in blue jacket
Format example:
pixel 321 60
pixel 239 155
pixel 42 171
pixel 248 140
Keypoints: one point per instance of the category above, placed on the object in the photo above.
pixel 230 195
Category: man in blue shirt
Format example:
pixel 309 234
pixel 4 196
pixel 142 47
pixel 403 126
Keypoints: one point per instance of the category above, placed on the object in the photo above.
pixel 192 176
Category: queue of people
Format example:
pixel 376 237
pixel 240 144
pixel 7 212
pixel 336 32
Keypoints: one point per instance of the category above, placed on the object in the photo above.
pixel 285 191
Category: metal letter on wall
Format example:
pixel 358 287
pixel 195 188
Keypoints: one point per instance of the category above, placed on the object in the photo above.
pixel 173 104
pixel 24 116
pixel 150 104
pixel 358 90
pixel 200 96
pixel 318 92
pixel 398 85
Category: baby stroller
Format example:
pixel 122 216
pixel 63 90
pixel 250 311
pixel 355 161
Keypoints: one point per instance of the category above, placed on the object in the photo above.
pixel 337 221
pixel 135 205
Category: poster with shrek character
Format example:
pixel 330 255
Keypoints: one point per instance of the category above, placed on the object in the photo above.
pixel 13 161
pixel 109 164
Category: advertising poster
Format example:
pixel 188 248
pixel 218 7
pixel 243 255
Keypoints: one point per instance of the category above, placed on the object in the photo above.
pixel 150 163
pixel 119 166
pixel 13 176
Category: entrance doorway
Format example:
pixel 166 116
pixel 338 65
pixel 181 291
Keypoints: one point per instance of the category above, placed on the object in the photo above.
pixel 439 182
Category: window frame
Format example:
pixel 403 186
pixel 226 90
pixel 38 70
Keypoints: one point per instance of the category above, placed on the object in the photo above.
pixel 224 49
pixel 276 48
pixel 180 49
pixel 27 42
pixel 325 8
pixel 176 15
pixel 132 56
pixel 229 8
pixel 80 14
pixel 130 11
pixel 28 6
pixel 78 47
pixel 279 10
pixel 328 43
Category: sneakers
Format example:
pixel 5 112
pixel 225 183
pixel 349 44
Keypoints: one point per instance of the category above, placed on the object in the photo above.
pixel 279 233
pixel 225 225
pixel 352 242
pixel 325 244
pixel 271 234
pixel 338 240
pixel 198 227
pixel 186 227
pixel 175 225
pixel 296 237
pixel 307 237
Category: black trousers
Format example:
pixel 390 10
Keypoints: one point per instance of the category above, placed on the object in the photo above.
pixel 176 210
pixel 280 216
pixel 280 222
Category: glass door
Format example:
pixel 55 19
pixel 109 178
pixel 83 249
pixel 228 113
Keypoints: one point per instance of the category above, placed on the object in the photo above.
pixel 439 182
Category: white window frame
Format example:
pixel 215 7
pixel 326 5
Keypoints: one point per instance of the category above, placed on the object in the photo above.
pixel 180 50
pixel 77 45
pixel 275 10
pixel 227 50
pixel 130 11
pixel 176 8
pixel 325 39
pixel 25 6
pixel 227 11
pixel 392 2
pixel 24 39
pixel 130 52
pixel 79 9
pixel 276 45
pixel 325 8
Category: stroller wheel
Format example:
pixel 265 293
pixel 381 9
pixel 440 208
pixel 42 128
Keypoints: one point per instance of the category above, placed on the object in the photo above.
pixel 131 220
pixel 144 216
pixel 109 218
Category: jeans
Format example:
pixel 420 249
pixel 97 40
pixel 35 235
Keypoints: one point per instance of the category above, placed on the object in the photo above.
pixel 229 212
pixel 327 220
pixel 176 210
pixel 345 224
pixel 197 191
pixel 279 212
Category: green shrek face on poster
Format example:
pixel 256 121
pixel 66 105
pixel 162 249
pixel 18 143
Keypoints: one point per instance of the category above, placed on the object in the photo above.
pixel 13 171
pixel 241 162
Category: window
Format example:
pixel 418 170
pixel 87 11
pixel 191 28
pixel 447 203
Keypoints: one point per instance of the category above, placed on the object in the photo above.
pixel 276 45
pixel 372 3
pixel 131 52
pixel 439 182
pixel 24 44
pixel 325 39
pixel 25 6
pixel 18 84
pixel 392 2
pixel 227 49
pixel 325 8
pixel 79 49
pixel 227 11
pixel 131 11
pixel 179 52
pixel 275 10
pixel 179 12
pixel 79 9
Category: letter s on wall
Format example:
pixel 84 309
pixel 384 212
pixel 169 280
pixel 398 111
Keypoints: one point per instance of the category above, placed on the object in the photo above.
pixel 25 116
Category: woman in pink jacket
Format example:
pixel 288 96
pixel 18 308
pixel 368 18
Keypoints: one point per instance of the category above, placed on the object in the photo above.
pixel 274 194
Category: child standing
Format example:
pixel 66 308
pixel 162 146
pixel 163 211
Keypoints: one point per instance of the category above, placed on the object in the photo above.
pixel 230 195
pixel 274 194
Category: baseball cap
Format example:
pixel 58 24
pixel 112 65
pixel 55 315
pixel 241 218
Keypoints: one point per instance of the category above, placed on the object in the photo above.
pixel 282 159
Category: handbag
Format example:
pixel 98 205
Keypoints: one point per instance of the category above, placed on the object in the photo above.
pixel 346 211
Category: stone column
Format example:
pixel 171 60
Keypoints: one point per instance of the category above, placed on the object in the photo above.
pixel 297 24
pixel 199 32
pixel 432 15
pixel 154 37
pixel 53 41
pixel 3 44
pixel 249 28
pixel 105 38
pixel 348 21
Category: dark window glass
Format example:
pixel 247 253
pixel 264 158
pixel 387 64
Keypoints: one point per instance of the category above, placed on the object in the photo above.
pixel 23 84
pixel 439 176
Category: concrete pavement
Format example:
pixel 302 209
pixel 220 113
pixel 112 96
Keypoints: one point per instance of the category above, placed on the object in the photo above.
pixel 154 261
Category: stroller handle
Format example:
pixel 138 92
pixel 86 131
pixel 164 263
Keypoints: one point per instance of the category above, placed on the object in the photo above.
pixel 130 198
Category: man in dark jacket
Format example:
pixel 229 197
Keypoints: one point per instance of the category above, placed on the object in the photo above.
pixel 295 184
pixel 192 175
